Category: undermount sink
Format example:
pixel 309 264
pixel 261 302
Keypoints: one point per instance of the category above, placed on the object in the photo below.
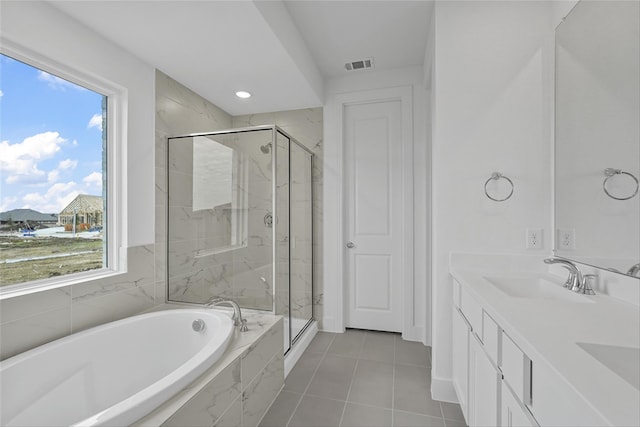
pixel 623 361
pixel 535 287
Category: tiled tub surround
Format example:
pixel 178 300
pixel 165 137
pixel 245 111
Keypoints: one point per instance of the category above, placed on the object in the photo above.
pixel 31 320
pixel 569 386
pixel 239 388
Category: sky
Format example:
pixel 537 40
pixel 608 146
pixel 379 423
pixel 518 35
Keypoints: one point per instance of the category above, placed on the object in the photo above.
pixel 50 139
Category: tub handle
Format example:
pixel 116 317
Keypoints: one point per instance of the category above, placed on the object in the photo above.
pixel 198 325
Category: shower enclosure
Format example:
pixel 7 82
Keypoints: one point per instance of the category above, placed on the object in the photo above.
pixel 240 228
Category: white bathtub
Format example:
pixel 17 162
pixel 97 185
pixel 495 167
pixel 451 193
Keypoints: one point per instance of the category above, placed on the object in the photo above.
pixel 113 374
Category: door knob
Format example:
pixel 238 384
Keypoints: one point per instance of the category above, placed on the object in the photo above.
pixel 350 245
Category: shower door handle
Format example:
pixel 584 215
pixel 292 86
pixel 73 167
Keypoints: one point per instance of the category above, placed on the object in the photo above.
pixel 350 245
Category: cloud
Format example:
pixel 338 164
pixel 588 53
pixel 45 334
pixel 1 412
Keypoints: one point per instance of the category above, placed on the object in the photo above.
pixel 93 180
pixel 67 164
pixel 95 122
pixel 53 176
pixel 56 83
pixel 7 203
pixel 1 93
pixel 19 162
pixel 56 198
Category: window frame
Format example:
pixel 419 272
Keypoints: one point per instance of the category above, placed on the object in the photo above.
pixel 115 254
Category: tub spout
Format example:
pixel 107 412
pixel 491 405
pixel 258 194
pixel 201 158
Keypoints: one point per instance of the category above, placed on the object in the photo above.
pixel 237 318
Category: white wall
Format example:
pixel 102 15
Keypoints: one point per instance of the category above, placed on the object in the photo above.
pixel 333 242
pixel 492 98
pixel 36 29
pixel 42 29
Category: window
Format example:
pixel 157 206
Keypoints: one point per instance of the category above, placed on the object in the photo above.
pixel 54 162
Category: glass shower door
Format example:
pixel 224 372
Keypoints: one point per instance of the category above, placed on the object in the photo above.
pixel 301 241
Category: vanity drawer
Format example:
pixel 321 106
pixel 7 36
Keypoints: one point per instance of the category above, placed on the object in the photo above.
pixel 516 368
pixel 472 311
pixel 491 337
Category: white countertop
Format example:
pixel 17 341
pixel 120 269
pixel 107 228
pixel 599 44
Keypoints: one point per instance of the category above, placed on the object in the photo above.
pixel 548 330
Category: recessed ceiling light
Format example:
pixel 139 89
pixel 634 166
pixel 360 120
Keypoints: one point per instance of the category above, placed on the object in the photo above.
pixel 243 94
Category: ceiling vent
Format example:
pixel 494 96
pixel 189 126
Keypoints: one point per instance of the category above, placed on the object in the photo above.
pixel 359 65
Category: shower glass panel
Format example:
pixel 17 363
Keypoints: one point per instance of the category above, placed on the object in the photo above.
pixel 301 239
pixel 240 228
pixel 282 304
pixel 220 240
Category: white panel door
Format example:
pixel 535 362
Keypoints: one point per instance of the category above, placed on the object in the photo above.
pixel 373 215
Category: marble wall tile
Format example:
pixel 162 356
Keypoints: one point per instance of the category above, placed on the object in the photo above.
pixel 233 416
pixel 17 308
pixel 210 403
pixel 257 356
pixel 262 391
pixel 35 319
pixel 26 333
pixel 161 292
pixel 140 272
pixel 89 312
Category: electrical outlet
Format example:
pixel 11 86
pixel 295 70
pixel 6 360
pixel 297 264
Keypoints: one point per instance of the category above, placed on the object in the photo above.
pixel 534 238
pixel 566 239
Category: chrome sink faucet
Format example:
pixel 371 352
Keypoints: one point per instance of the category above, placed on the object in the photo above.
pixel 575 278
pixel 576 281
pixel 237 314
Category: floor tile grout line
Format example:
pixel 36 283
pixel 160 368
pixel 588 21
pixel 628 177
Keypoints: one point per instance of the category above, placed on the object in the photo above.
pixel 353 376
pixel 344 409
pixel 309 383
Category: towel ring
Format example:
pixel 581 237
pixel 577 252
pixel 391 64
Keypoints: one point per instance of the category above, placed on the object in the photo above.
pixel 494 177
pixel 611 172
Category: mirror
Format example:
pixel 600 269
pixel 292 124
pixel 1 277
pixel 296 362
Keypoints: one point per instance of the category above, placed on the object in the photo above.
pixel 597 135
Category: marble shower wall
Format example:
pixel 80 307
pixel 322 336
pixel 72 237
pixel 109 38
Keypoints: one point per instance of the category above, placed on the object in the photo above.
pixel 306 127
pixel 179 111
pixel 301 237
pixel 203 264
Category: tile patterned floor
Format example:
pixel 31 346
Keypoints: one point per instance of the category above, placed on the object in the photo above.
pixel 361 378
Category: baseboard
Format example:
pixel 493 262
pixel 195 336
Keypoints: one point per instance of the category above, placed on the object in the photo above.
pixel 299 347
pixel 414 333
pixel 442 390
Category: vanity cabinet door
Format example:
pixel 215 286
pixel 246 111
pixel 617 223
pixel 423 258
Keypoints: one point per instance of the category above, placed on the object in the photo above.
pixel 513 414
pixel 484 392
pixel 461 335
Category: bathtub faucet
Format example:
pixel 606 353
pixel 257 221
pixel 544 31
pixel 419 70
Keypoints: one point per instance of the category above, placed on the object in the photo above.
pixel 237 314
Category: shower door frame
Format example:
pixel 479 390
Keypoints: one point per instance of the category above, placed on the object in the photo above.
pixel 276 129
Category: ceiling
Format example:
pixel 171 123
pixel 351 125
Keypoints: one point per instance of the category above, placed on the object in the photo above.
pixel 394 33
pixel 281 52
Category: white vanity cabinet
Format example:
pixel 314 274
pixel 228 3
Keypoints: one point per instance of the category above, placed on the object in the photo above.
pixel 513 414
pixel 484 382
pixel 480 360
pixel 476 376
pixel 460 347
